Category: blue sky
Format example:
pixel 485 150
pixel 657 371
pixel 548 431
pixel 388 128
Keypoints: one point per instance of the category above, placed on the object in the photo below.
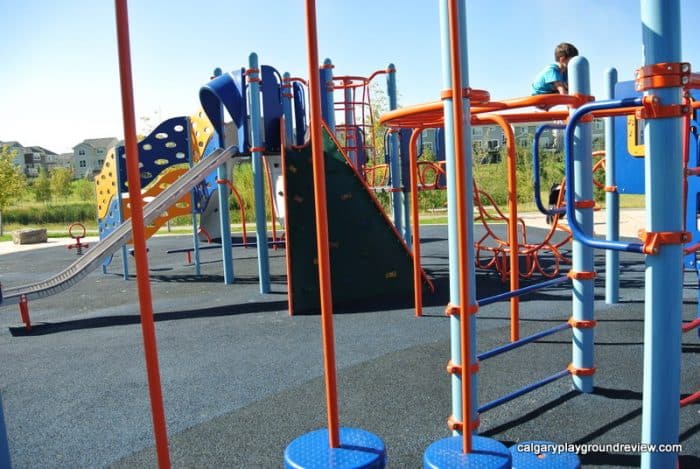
pixel 60 83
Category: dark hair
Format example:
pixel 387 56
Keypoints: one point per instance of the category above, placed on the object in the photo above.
pixel 565 50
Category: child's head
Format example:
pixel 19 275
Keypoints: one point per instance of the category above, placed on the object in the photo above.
pixel 563 53
pixel 565 50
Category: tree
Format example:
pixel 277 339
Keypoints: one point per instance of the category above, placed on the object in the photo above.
pixel 13 184
pixel 42 186
pixel 60 182
pixel 84 189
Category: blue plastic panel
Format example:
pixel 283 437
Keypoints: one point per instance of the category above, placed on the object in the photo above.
pixel 404 143
pixel 300 112
pixel 166 146
pixel 629 168
pixel 272 107
pixel 227 91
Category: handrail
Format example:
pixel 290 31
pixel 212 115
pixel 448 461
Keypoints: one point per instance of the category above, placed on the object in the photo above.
pixel 536 169
pixel 576 229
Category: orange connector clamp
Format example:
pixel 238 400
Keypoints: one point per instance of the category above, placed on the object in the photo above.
pixel 581 324
pixel 653 240
pixel 653 109
pixel 580 371
pixel 574 275
pixel 451 309
pixel 476 96
pixel 583 99
pixel 662 75
pixel 584 204
pixel 457 426
pixel 454 369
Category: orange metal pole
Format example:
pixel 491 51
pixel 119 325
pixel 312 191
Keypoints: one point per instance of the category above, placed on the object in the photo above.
pixel 512 219
pixel 690 399
pixel 324 264
pixel 141 259
pixel 462 235
pixel 415 229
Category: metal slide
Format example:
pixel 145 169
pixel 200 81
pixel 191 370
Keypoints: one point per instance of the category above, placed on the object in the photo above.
pixel 116 239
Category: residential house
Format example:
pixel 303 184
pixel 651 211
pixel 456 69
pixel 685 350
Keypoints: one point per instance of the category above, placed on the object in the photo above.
pixel 32 159
pixel 89 155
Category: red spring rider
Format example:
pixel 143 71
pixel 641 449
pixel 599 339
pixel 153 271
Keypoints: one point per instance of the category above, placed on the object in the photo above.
pixel 77 237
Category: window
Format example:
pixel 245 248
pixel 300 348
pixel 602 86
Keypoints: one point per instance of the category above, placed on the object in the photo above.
pixel 36 157
pixel 81 152
pixel 100 163
pixel 83 164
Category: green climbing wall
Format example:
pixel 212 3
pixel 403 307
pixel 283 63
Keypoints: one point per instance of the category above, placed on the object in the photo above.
pixel 368 259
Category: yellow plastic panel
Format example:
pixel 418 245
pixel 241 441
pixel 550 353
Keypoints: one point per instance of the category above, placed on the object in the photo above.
pixel 106 185
pixel 201 131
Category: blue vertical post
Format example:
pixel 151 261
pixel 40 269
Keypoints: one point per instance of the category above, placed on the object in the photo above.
pixel 194 205
pixel 351 130
pixel 195 241
pixel 394 163
pixel 5 460
pixel 451 155
pixel 120 214
pixel 612 199
pixel 582 307
pixel 287 108
pixel 467 450
pixel 327 94
pixel 663 169
pixel 258 174
pixel 455 340
pixel 224 215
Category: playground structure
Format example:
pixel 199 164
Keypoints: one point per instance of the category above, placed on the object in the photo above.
pixel 463 301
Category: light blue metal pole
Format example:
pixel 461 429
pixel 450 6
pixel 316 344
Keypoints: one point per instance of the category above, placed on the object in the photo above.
pixel 466 450
pixel 582 307
pixel 451 154
pixel 287 108
pixel 327 94
pixel 224 215
pixel 258 174
pixel 193 205
pixel 394 163
pixel 663 166
pixel 120 214
pixel 351 130
pixel 612 199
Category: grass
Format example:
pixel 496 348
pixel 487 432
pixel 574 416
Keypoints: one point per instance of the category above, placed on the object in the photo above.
pixel 56 230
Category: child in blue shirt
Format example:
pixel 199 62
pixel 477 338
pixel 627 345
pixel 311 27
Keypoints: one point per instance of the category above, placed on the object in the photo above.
pixel 553 78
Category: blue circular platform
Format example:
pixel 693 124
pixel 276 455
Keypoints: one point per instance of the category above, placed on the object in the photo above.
pixel 358 449
pixel 486 453
pixel 542 454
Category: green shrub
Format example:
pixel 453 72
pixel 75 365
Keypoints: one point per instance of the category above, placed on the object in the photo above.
pixel 44 214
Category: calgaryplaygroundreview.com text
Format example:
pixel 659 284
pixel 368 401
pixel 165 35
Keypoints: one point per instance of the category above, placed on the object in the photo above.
pixel 634 448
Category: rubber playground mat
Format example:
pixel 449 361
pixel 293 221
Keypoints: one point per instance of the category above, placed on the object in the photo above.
pixel 241 379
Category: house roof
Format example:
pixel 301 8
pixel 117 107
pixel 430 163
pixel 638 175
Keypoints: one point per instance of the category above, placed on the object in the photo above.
pixel 99 143
pixel 10 144
pixel 38 149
